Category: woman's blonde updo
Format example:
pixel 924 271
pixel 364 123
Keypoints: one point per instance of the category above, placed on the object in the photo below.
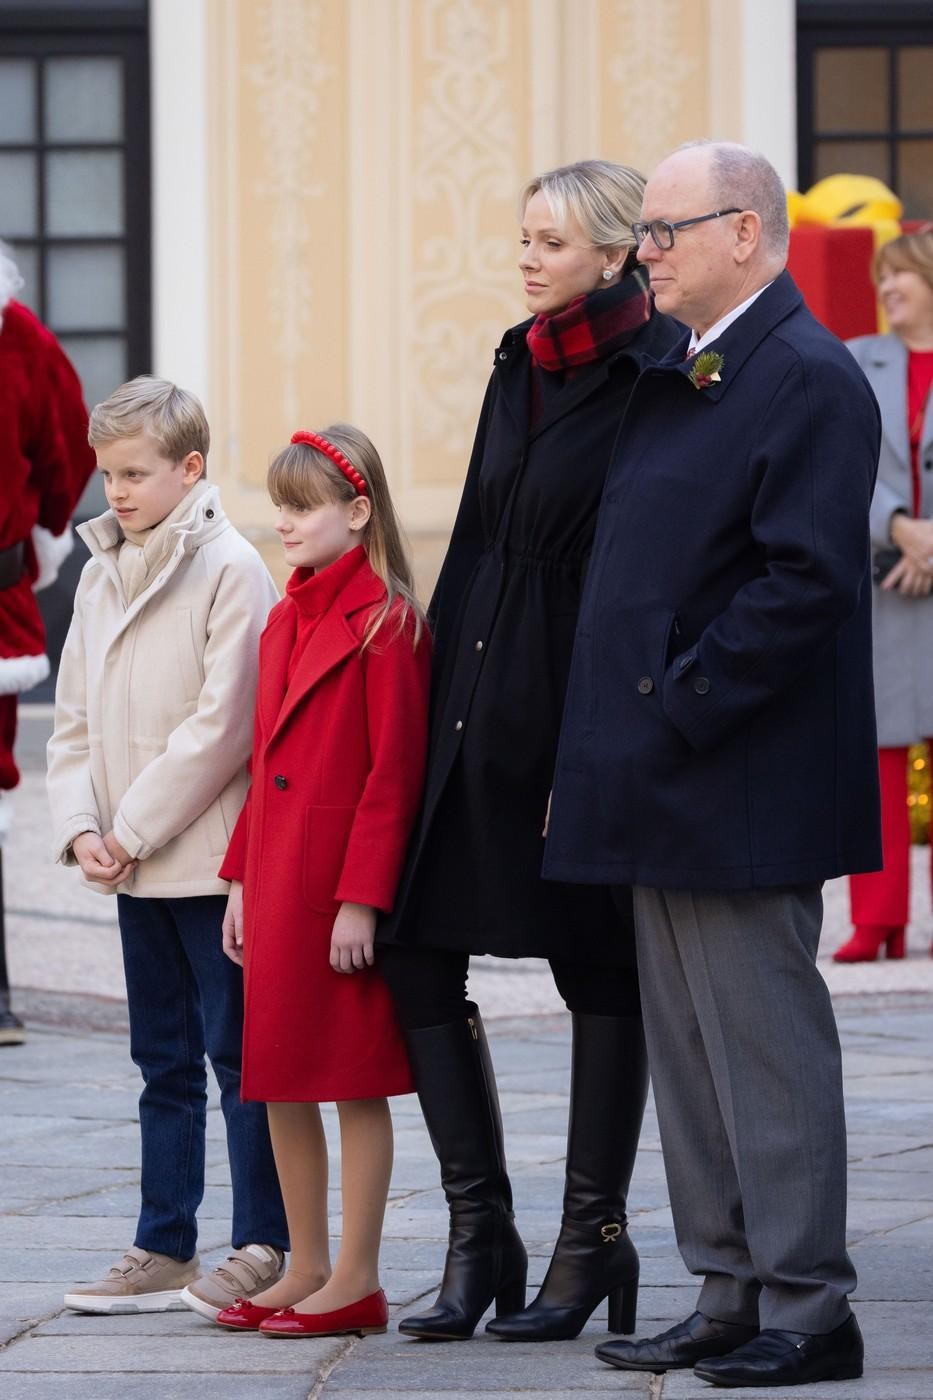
pixel 604 198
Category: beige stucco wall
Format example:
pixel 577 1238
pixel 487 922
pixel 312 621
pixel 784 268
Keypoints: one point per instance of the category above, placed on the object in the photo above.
pixel 363 159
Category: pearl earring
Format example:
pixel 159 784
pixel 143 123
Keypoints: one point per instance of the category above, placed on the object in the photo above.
pixel 608 274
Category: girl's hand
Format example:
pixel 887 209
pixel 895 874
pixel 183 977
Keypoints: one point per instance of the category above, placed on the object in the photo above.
pixel 351 943
pixel 233 924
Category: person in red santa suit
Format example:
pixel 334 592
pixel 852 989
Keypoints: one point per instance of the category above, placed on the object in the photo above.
pixel 45 462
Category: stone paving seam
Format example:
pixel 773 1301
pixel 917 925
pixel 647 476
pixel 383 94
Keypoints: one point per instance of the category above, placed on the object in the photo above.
pixel 30 1325
pixel 329 1367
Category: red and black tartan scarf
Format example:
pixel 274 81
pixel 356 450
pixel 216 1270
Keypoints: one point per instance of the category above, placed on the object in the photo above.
pixel 592 326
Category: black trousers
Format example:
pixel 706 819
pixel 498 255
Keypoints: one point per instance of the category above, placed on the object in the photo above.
pixel 428 985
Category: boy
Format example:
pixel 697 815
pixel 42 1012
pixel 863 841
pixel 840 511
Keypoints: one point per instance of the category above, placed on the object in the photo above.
pixel 146 776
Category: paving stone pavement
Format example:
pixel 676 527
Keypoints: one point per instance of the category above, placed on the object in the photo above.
pixel 68 1197
pixel 69 1174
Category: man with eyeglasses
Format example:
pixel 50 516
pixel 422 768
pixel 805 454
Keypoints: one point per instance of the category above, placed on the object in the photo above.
pixel 717 753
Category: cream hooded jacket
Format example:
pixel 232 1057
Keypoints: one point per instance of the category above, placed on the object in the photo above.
pixel 154 702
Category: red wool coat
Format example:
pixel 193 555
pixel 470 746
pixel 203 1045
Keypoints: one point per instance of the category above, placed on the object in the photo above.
pixel 337 770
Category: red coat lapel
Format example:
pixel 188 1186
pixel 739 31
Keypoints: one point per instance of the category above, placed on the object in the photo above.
pixel 334 640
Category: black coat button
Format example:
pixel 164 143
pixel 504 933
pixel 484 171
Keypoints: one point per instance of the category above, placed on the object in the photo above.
pixel 208 515
pixel 701 685
pixel 645 685
pixel 280 782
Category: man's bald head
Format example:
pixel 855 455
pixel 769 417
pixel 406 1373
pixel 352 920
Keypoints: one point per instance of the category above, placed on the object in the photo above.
pixel 746 179
pixel 715 263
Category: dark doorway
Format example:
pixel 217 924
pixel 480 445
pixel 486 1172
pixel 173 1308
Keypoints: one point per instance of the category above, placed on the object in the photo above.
pixel 75 203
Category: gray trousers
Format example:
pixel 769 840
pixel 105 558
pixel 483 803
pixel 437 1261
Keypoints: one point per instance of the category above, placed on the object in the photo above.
pixel 747 1076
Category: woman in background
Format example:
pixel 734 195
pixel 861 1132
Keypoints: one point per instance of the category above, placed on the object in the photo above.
pixel 899 367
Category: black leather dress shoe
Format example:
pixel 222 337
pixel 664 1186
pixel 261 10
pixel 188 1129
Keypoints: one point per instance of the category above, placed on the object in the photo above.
pixel 789 1358
pixel 683 1345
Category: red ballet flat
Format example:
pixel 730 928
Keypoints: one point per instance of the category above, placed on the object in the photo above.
pixel 244 1316
pixel 367 1316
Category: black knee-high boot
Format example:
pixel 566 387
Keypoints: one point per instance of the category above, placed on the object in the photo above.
pixel 486 1259
pixel 594 1257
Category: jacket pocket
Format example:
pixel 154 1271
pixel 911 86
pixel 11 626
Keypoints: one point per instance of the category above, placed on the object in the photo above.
pixel 189 659
pixel 327 831
pixel 673 642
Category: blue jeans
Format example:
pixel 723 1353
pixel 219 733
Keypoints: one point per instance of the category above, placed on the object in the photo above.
pixel 186 1000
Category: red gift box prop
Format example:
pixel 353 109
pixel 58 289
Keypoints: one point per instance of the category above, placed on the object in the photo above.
pixel 832 268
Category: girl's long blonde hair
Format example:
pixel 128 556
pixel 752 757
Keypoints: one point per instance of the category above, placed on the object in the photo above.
pixel 302 476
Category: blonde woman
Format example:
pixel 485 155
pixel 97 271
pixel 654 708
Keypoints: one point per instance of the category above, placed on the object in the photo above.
pixel 503 617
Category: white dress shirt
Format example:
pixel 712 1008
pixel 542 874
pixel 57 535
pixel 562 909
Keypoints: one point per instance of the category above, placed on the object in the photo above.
pixel 701 342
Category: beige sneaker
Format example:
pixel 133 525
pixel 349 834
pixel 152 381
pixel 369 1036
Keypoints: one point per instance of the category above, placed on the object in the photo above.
pixel 141 1282
pixel 243 1273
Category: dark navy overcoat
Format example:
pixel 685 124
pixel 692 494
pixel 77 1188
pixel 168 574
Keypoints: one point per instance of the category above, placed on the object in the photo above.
pixel 719 727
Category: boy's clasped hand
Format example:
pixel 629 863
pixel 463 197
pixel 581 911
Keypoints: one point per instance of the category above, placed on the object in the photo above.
pixel 102 858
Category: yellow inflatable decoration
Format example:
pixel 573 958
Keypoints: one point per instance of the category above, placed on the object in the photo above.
pixel 848 201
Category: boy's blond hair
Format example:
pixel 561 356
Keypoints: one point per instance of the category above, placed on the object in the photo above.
pixel 171 416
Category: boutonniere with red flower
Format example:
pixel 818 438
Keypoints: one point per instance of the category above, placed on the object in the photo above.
pixel 705 369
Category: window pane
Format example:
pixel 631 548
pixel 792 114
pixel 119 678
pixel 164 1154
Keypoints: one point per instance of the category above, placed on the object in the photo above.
pixel 86 288
pixel 17 101
pixel 27 260
pixel 101 365
pixel 851 90
pixel 915 182
pixel 84 99
pixel 18 188
pixel 852 158
pixel 915 88
pixel 84 193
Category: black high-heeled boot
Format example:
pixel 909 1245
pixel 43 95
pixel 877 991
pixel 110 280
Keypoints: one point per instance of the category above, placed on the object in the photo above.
pixel 594 1257
pixel 486 1259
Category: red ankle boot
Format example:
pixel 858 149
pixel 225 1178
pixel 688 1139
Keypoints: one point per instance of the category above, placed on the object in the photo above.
pixel 866 942
pixel 896 944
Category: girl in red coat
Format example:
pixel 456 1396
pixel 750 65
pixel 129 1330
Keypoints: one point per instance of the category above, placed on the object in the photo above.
pixel 338 761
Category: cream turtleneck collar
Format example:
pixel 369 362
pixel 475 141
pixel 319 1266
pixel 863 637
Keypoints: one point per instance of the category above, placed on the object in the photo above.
pixel 143 552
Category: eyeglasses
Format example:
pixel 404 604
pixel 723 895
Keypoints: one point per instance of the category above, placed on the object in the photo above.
pixel 662 232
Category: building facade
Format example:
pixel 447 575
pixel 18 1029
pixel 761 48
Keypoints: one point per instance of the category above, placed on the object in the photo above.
pixel 305 210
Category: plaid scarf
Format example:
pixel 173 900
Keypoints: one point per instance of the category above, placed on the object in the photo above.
pixel 592 326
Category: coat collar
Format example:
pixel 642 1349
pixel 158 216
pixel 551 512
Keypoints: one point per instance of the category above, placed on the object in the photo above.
pixel 202 523
pixel 739 340
pixel 885 362
pixel 333 641
pixel 512 361
pixel 104 537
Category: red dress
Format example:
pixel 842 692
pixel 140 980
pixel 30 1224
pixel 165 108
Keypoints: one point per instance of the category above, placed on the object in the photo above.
pixel 45 462
pixel 337 768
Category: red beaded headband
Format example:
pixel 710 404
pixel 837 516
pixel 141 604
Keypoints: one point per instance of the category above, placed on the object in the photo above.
pixel 336 456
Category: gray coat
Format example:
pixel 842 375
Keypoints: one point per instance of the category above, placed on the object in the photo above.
pixel 902 627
